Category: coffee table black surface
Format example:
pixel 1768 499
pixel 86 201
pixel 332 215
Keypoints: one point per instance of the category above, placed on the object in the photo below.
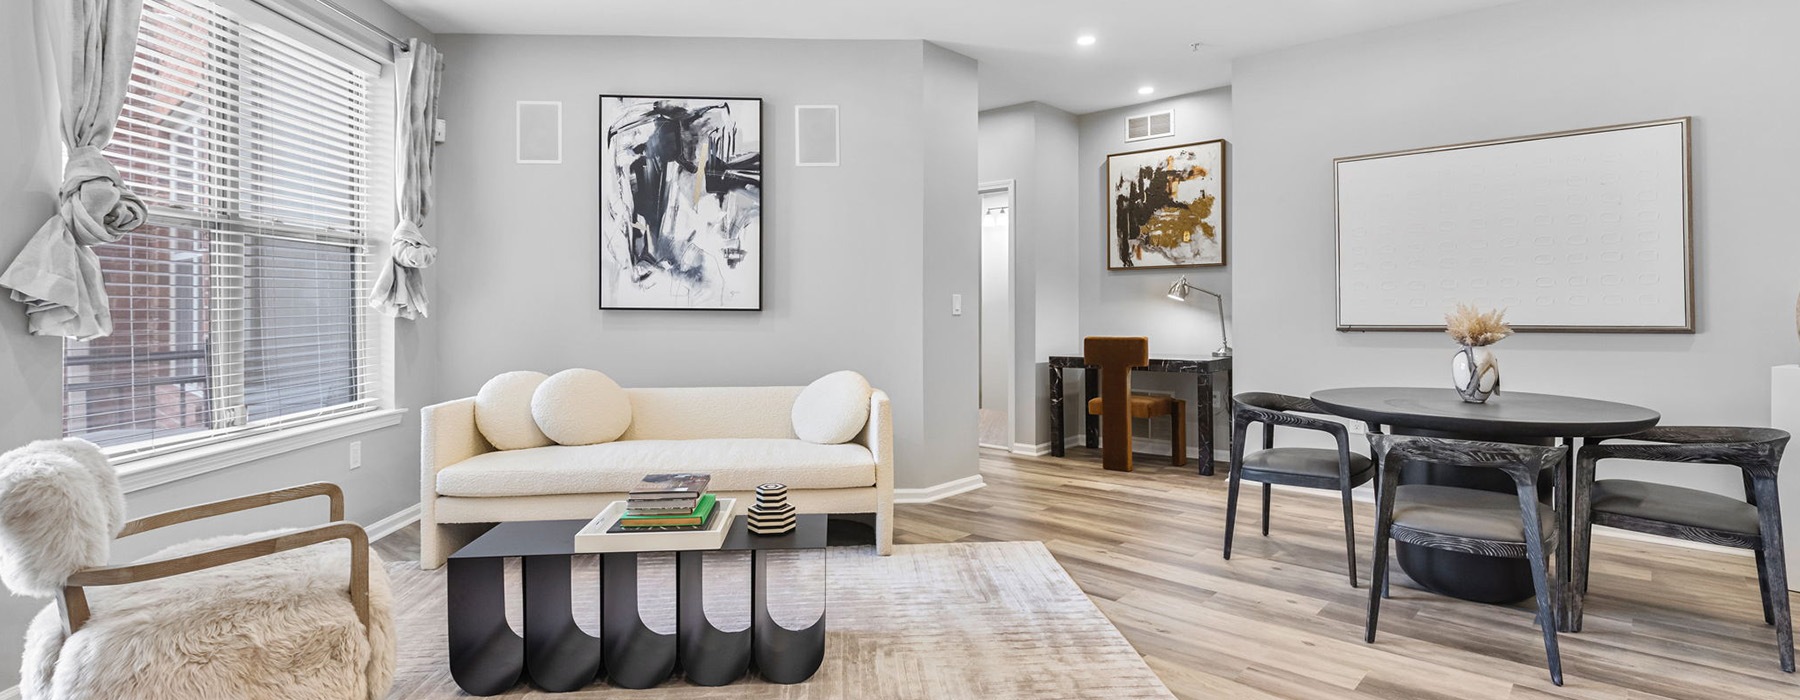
pixel 487 657
pixel 1515 417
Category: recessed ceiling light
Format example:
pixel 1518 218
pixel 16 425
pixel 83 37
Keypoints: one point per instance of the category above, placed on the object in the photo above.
pixel 1085 40
pixel 1145 90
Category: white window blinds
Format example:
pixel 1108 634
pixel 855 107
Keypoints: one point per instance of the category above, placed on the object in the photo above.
pixel 237 308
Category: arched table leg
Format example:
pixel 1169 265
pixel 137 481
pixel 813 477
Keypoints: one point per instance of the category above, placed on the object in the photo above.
pixel 635 656
pixel 559 657
pixel 486 656
pixel 784 655
pixel 709 655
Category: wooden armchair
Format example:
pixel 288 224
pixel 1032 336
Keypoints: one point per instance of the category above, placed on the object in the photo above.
pixel 201 619
pixel 72 600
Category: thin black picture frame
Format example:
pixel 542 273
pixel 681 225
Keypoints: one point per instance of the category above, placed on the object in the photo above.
pixel 601 185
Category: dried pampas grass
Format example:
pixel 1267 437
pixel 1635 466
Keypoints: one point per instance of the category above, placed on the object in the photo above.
pixel 1470 326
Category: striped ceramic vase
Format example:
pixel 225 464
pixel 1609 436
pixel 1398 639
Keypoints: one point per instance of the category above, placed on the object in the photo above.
pixel 772 514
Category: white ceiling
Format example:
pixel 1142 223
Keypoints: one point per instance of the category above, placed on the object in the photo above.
pixel 1026 48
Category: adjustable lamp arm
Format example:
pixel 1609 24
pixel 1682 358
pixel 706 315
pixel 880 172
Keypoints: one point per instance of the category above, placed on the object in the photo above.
pixel 1179 292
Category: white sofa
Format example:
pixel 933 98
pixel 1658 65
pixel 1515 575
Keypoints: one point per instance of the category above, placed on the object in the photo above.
pixel 742 436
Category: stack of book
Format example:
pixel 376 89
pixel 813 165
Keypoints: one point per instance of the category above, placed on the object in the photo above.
pixel 669 502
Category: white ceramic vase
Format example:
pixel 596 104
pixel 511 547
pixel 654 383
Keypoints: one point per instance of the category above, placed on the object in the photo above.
pixel 1476 373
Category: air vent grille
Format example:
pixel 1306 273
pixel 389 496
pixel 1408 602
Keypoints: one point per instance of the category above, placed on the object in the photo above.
pixel 1150 126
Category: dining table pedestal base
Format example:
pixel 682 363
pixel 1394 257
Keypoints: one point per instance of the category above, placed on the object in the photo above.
pixel 1475 577
pixel 1472 577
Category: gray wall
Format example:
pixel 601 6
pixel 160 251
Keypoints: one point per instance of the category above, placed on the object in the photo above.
pixel 30 367
pixel 1130 302
pixel 951 265
pixel 846 278
pixel 1521 69
pixel 1035 146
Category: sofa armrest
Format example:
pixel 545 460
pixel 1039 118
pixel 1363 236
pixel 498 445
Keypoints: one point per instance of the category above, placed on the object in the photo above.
pixel 448 435
pixel 878 436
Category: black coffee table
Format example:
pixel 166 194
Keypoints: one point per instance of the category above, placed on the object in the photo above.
pixel 488 658
pixel 1515 417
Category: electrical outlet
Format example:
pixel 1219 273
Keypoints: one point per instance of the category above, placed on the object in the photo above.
pixel 956 305
pixel 356 454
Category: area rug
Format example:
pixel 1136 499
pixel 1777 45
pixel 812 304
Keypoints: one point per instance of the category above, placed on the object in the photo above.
pixel 982 620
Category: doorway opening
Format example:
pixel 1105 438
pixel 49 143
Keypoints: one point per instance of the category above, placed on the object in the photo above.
pixel 995 314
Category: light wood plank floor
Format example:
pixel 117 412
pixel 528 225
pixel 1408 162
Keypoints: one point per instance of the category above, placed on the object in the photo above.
pixel 1280 620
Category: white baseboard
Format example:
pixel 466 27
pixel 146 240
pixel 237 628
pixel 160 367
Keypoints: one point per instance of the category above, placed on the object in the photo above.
pixel 383 527
pixel 1030 450
pixel 990 446
pixel 940 491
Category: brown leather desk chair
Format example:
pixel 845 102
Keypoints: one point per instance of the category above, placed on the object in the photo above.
pixel 1115 358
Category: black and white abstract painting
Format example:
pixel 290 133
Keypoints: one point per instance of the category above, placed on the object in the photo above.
pixel 681 203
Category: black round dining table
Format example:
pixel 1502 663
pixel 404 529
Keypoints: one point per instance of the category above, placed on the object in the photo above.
pixel 1513 417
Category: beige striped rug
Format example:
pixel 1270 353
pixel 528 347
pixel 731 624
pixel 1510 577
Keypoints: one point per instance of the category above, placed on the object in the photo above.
pixel 982 620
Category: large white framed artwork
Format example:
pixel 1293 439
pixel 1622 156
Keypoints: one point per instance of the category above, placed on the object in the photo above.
pixel 1587 230
pixel 681 203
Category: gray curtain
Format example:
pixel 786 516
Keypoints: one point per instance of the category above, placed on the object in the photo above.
pixel 400 287
pixel 57 275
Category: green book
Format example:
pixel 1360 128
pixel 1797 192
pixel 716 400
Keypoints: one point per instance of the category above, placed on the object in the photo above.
pixel 701 510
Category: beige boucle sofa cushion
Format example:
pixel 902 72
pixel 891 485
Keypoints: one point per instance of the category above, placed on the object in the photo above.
pixel 581 407
pixel 503 411
pixel 711 412
pixel 832 409
pixel 736 464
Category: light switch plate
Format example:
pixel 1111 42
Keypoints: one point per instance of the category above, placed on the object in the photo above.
pixel 439 130
pixel 956 305
pixel 356 454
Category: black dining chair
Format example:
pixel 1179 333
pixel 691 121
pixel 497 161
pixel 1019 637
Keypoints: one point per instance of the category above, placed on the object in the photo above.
pixel 1688 514
pixel 1468 520
pixel 1309 467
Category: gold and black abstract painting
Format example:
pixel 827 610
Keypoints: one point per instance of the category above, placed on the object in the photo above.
pixel 1166 207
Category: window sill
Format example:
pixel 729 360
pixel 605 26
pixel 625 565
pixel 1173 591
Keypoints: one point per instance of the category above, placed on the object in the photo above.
pixel 162 469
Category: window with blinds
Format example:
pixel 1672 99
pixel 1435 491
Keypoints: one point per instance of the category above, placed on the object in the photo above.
pixel 237 307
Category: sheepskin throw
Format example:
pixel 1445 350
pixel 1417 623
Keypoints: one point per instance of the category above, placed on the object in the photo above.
pixel 60 506
pixel 279 627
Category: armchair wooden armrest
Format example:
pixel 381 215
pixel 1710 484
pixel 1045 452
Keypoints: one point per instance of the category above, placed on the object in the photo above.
pixel 73 600
pixel 241 503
